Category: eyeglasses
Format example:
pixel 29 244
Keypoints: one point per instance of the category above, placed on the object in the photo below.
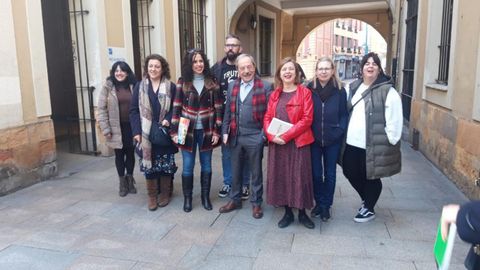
pixel 324 69
pixel 232 45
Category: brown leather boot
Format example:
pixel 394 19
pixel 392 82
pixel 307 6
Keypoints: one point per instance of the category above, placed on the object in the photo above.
pixel 152 194
pixel 165 183
pixel 159 189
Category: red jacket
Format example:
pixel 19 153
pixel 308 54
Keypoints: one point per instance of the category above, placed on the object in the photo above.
pixel 300 113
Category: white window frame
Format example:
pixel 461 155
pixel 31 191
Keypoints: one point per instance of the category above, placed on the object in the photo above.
pixel 434 92
pixel 476 93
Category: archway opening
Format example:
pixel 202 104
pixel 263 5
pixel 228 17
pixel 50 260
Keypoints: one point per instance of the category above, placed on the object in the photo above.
pixel 345 40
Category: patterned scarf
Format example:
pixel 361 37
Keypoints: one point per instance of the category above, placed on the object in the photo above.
pixel 259 103
pixel 164 98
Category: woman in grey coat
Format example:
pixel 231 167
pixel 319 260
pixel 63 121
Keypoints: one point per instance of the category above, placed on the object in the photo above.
pixel 113 119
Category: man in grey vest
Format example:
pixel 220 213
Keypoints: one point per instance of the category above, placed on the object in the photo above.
pixel 242 131
pixel 225 72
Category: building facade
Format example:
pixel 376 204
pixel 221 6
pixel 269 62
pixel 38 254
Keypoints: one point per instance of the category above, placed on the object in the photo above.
pixel 316 44
pixel 57 54
pixel 339 39
pixel 439 74
pixel 348 49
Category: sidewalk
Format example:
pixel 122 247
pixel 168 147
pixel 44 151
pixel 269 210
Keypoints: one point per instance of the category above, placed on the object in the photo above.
pixel 78 221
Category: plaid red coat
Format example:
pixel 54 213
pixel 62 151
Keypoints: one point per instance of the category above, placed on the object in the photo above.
pixel 209 108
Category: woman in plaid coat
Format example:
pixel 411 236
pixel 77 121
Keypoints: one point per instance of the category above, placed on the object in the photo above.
pixel 197 99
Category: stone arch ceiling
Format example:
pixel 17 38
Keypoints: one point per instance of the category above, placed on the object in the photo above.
pixel 303 7
pixel 377 13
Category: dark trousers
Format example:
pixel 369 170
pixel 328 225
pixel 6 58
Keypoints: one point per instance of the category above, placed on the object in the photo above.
pixel 125 158
pixel 227 168
pixel 249 148
pixel 324 172
pixel 354 168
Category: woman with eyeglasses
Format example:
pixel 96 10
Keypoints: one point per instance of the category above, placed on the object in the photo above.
pixel 329 125
pixel 289 170
pixel 199 100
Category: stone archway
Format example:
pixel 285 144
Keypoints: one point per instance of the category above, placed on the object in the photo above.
pixel 302 25
pixel 345 41
pixel 258 26
pixel 291 29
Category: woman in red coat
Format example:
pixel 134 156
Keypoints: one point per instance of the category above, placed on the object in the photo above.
pixel 289 173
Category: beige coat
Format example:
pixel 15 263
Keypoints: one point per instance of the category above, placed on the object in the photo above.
pixel 108 115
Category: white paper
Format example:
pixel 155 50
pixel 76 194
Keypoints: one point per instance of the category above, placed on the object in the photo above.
pixel 278 127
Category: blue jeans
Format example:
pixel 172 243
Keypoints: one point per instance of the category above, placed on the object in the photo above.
pixel 227 168
pixel 189 157
pixel 324 172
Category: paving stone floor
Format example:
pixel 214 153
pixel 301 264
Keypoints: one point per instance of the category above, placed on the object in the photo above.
pixel 78 221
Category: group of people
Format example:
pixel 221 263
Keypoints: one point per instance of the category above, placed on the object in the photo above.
pixel 321 124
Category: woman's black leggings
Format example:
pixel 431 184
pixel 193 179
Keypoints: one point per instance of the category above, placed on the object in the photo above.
pixel 354 168
pixel 124 158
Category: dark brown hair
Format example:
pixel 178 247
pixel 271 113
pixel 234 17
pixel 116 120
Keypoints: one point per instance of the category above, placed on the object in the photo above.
pixel 165 67
pixel 278 79
pixel 124 67
pixel 375 59
pixel 187 67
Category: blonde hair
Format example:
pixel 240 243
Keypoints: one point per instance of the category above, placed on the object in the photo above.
pixel 336 82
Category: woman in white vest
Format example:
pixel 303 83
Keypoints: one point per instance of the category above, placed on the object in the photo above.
pixel 372 149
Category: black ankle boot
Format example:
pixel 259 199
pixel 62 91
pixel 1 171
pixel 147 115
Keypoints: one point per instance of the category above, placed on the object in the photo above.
pixel 287 218
pixel 187 186
pixel 205 181
pixel 325 214
pixel 305 220
pixel 131 184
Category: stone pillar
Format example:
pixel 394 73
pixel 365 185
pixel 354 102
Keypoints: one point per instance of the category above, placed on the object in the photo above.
pixel 27 139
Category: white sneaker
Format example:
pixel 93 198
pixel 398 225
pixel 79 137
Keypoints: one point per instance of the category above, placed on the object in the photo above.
pixel 364 216
pixel 224 191
pixel 245 193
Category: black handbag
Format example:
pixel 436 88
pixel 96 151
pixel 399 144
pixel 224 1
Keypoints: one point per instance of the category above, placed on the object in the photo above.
pixel 160 135
pixel 472 262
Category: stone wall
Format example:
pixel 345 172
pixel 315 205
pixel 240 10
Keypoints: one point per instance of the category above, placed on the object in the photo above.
pixel 27 155
pixel 451 143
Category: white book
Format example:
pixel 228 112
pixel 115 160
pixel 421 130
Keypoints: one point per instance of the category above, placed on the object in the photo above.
pixel 278 127
pixel 183 130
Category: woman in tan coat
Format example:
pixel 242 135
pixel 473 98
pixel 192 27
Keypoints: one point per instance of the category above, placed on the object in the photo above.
pixel 113 119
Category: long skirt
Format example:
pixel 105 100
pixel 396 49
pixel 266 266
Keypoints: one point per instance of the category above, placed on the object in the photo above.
pixel 289 176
